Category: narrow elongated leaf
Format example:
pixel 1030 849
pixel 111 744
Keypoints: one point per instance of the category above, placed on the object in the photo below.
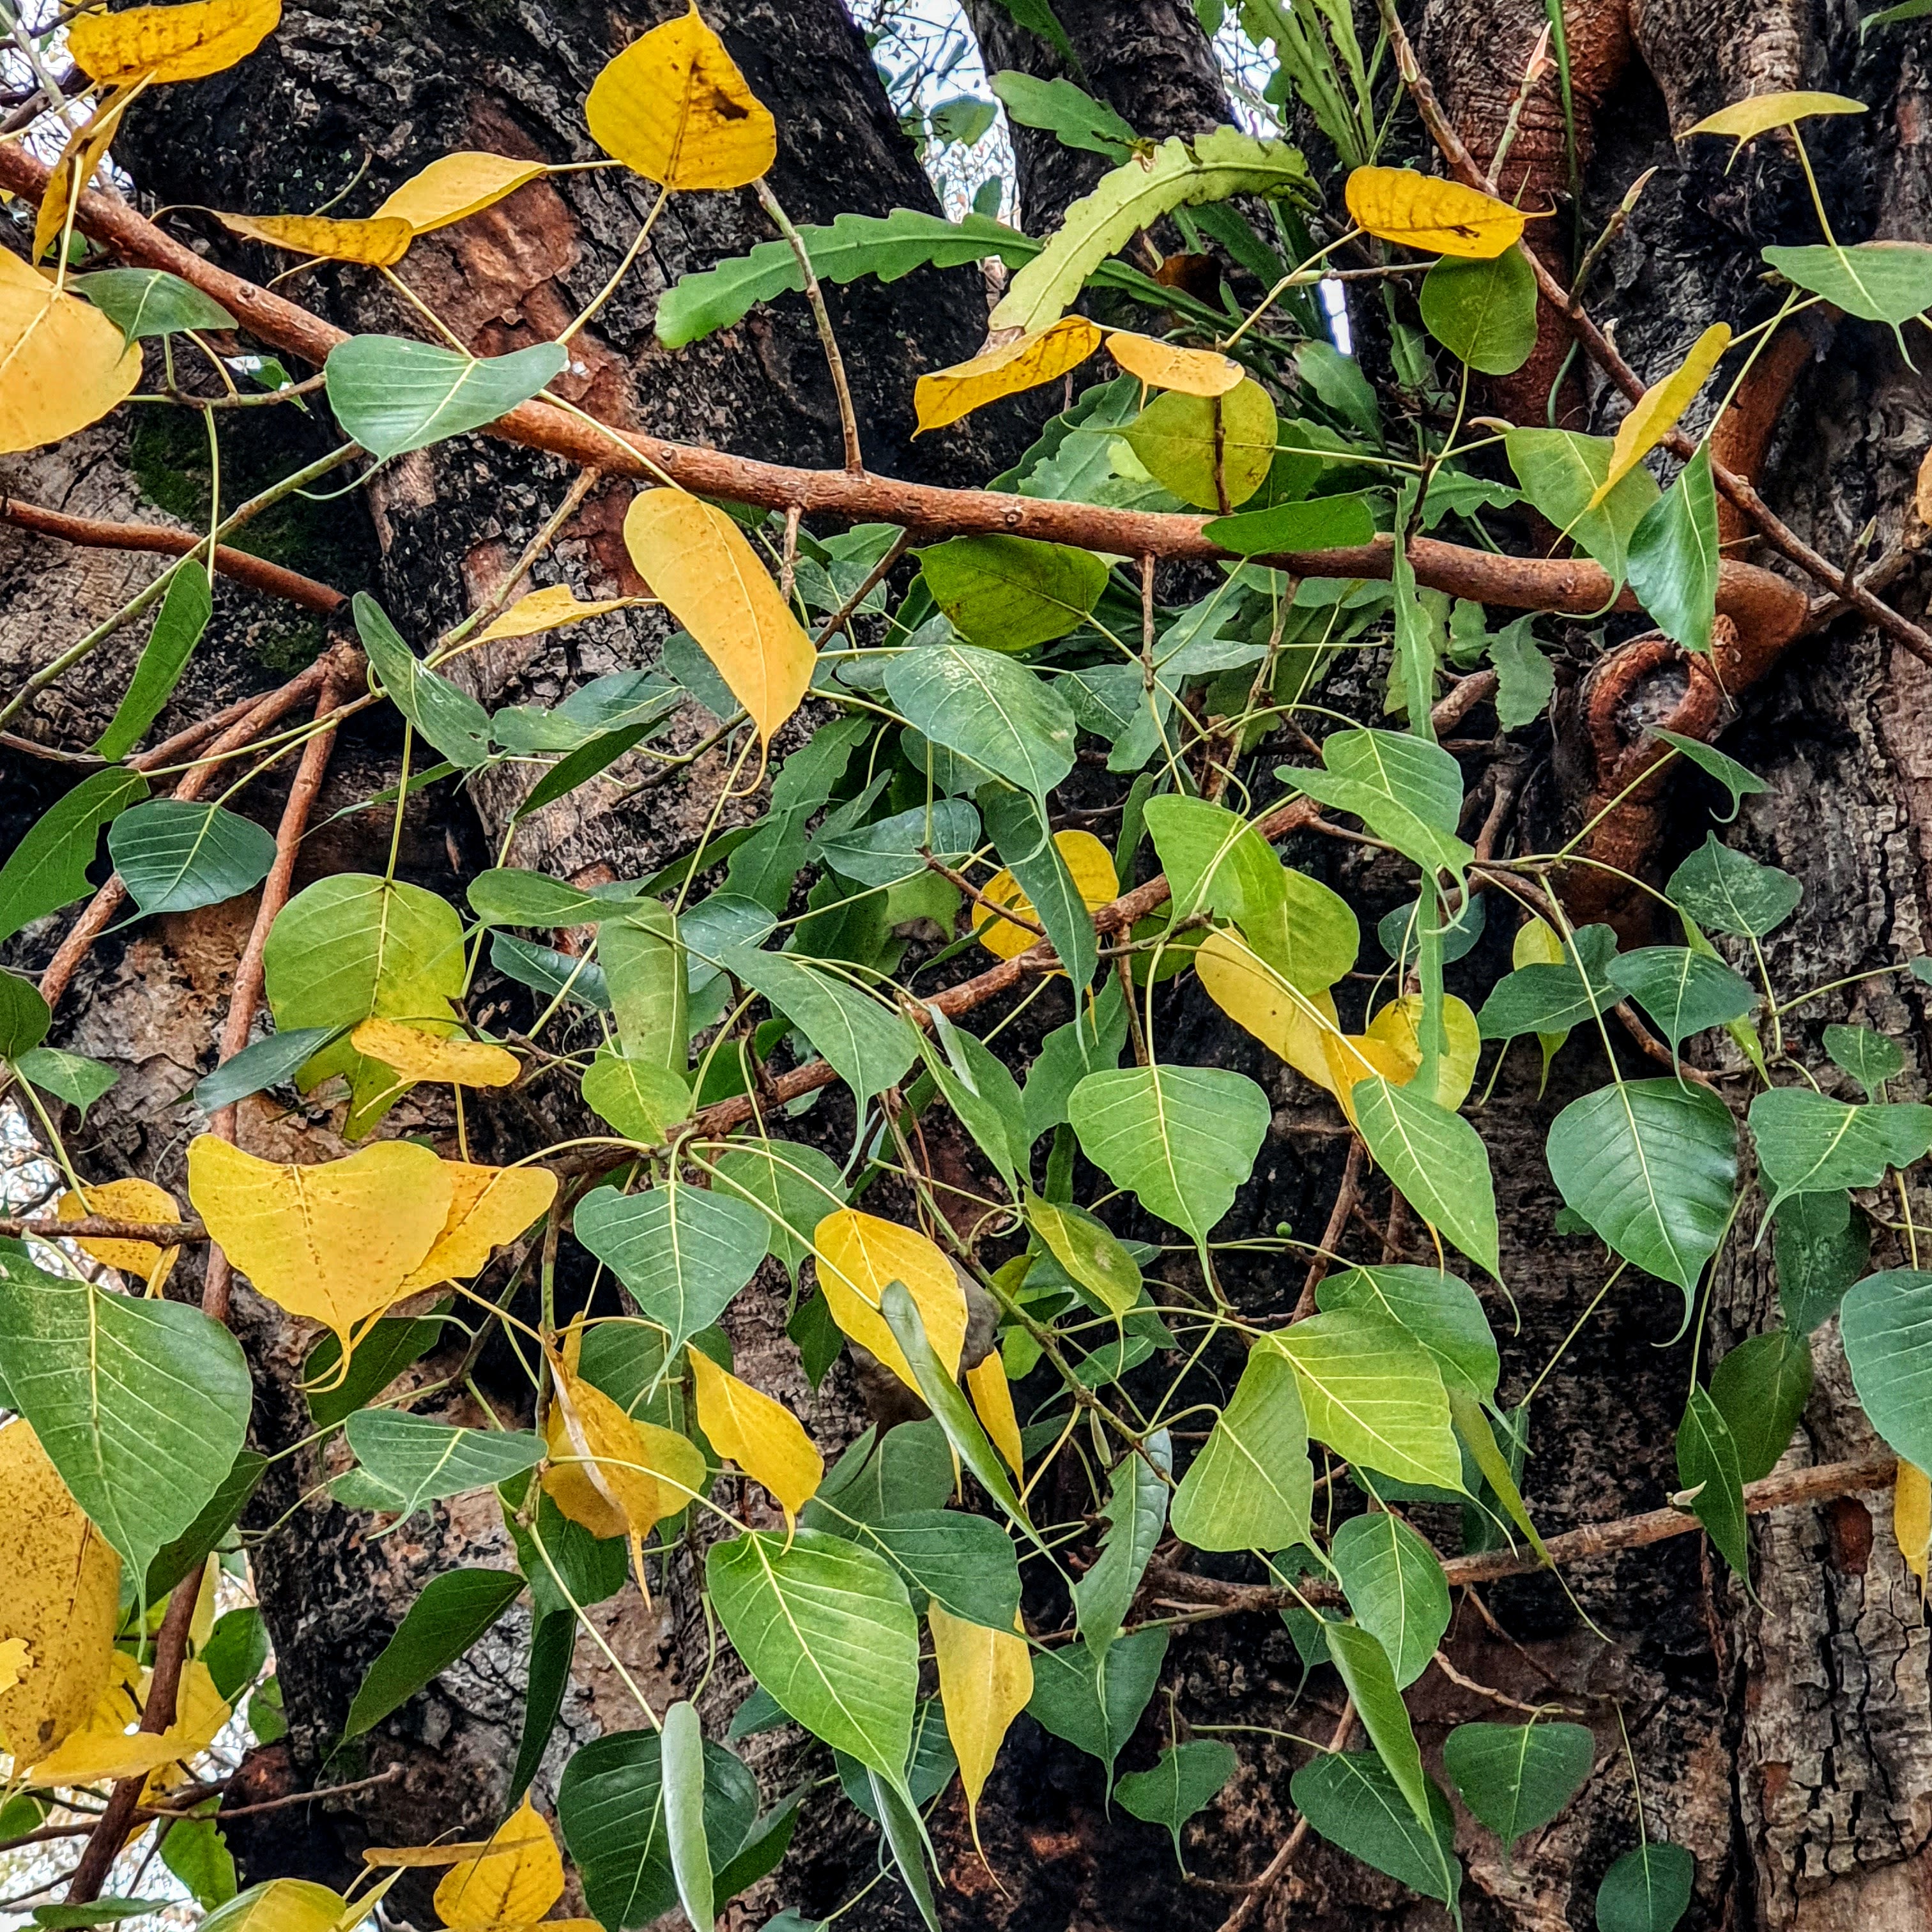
pixel 1707 1462
pixel 1350 1797
pixel 1038 864
pixel 870 1045
pixel 1252 1485
pixel 1516 1777
pixel 682 1251
pixel 455 1609
pixel 1136 1513
pixel 552 1647
pixel 1396 1589
pixel 1439 1161
pixel 174 855
pixel 48 868
pixel 186 607
pixel 421 1459
pixel 1366 1672
pixel 1674 554
pixel 262 1064
pixel 394 395
pixel 683 1763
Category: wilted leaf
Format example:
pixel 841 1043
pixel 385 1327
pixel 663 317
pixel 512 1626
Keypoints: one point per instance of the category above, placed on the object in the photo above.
pixel 376 243
pixel 488 1206
pixel 417 1055
pixel 943 396
pixel 986 1678
pixel 1214 450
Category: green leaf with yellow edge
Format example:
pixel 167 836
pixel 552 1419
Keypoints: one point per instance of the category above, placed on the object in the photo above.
pixel 1215 451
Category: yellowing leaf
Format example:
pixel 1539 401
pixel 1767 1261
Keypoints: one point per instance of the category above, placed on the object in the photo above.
pixel 1654 414
pixel 487 1206
pixel 986 1678
pixel 294 1905
pixel 944 395
pixel 170 42
pixel 993 1402
pixel 1396 1027
pixel 617 1476
pixel 62 1601
pixel 1091 865
pixel 512 1883
pixel 107 1748
pixel 1912 1517
pixel 130 1200
pixel 1921 492
pixel 334 1242
pixel 457 186
pixel 763 1437
pixel 1442 218
pixel 1536 943
pixel 15 1663
pixel 427 1857
pixel 376 243
pixel 1194 372
pixel 550 609
pixel 696 562
pixel 63 364
pixel 858 1256
pixel 674 107
pixel 417 1055
pixel 1759 113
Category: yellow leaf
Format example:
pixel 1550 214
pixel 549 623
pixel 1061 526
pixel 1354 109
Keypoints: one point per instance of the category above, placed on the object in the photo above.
pixel 1536 943
pixel 202 1624
pixel 763 1437
pixel 130 1200
pixel 170 42
pixel 1194 372
pixel 426 1857
pixel 107 1748
pixel 417 1055
pixel 674 107
pixel 1094 878
pixel 1441 217
pixel 986 1678
pixel 513 1884
pixel 614 1475
pixel 944 395
pixel 14 1662
pixel 487 1206
pixel 333 1242
pixel 375 243
pixel 63 364
pixel 292 1905
pixel 1759 113
pixel 697 563
pixel 859 1255
pixel 457 186
pixel 550 609
pixel 77 165
pixel 1654 414
pixel 1912 1516
pixel 1396 1027
pixel 993 1402
pixel 62 1601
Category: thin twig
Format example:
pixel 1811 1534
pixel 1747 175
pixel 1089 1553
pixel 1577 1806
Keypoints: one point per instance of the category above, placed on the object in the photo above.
pixel 848 422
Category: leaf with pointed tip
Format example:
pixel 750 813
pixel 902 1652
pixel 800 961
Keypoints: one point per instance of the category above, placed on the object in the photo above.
pixel 176 855
pixel 870 1045
pixel 1516 1777
pixel 453 1610
pixel 1252 1485
pixel 1808 1143
pixel 682 1251
pixel 1370 1680
pixel 1396 1589
pixel 1760 1389
pixel 1821 1248
pixel 1707 1464
pixel 1438 1161
pixel 48 868
pixel 1093 1704
pixel 422 1460
pixel 987 709
pixel 1721 888
pixel 1683 990
pixel 393 395
pixel 1350 1797
pixel 1136 1513
pixel 1186 1778
pixel 1647 1890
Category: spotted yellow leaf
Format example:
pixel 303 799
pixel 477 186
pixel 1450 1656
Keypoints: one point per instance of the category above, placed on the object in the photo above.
pixel 417 1055
pixel 1088 861
pixel 1161 365
pixel 674 107
pixel 763 1437
pixel 550 609
pixel 63 364
pixel 697 563
pixel 1912 1517
pixel 1759 113
pixel 1654 414
pixel 986 1678
pixel 612 1474
pixel 376 243
pixel 335 1241
pixel 108 1746
pixel 1440 218
pixel 859 1256
pixel 993 1402
pixel 170 42
pixel 513 1883
pixel 488 1206
pixel 944 395
pixel 129 1200
pixel 1396 1027
pixel 455 188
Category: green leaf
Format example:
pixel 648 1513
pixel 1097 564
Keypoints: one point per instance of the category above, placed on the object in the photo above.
pixel 587 1568
pixel 907 1469
pixel 1090 1042
pixel 1070 114
pixel 1810 1144
pixel 794 1185
pixel 585 762
pixel 25 1017
pixel 1886 1323
pixel 1018 827
pixel 1186 1778
pixel 1010 593
pixel 174 856
pixel 683 1775
pixel 1869 1057
pixel 545 971
pixel 1407 791
pixel 1182 1139
pixel 974 1082
pixel 1516 1777
pixel 263 1064
pixel 905 1837
pixel 682 1251
pixel 1821 1248
pixel 962 120
pixel 422 1460
pixel 380 1356
pixel 1089 1251
pixel 71 1077
pixel 1559 471
pixel 1038 18
pixel 1719 887
pixel 964 1563
pixel 1736 779
pixel 142 1406
pixel 1707 1462
pixel 442 712
pixel 1652 1166
pixel 1890 16
pixel 644 967
pixel 236 1649
pixel 48 868
pixel 1338 381
pixel 186 606
pixel 189 1550
pixel 100 1912
pixel 1483 312
pixel 1760 1389
pixel 1373 1394
pixel 1437 1160
pixel 1367 1675
pixel 1551 998
pixel 1440 1310
pixel 1351 1800
pixel 1136 1513
pixel 149 301
pixel 827 1628
pixel 546 1679
pixel 987 709
pixel 1178 174
pixel 869 1045
pixel 1647 1890
pixel 1320 523
pixel 893 849
pixel 453 1610
pixel 1251 1486
pixel 393 395
pixel 1684 991
pixel 1525 680
pixel 195 1851
pixel 643 1102
pixel 1674 555
pixel 1095 1703
pixel 1877 281
pixel 1396 1589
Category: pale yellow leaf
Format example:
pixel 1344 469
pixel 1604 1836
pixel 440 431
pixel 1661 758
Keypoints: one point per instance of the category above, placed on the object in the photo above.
pixel 62 1601
pixel 550 609
pixel 375 243
pixel 986 1678
pixel 107 1747
pixel 1654 414
pixel 1759 113
pixel 762 1436
pixel 993 1402
pixel 1440 218
pixel 697 563
pixel 289 1905
pixel 859 1256
pixel 513 1883
pixel 15 1663
pixel 1536 943
pixel 202 1624
pixel 427 1857
pixel 170 42
pixel 1912 1516
pixel 128 1200
pixel 333 1242
pixel 1091 865
pixel 488 1206
pixel 944 395
pixel 614 1475
pixel 417 1055
pixel 1396 1026
pixel 674 107
pixel 457 186
pixel 1161 365
pixel 77 165
pixel 63 364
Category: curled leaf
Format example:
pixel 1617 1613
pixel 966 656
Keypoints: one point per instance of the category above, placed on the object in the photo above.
pixel 763 1437
pixel 550 609
pixel 614 1475
pixel 128 1200
pixel 455 188
pixel 170 42
pixel 1441 217
pixel 944 396
pixel 488 1206
pixel 1161 365
pixel 858 1256
pixel 1088 861
pixel 1396 1026
pixel 417 1055
pixel 63 364
pixel 1654 414
pixel 376 243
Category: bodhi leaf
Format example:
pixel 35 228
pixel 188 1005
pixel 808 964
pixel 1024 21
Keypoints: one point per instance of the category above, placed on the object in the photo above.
pixel 763 1437
pixel 63 364
pixel 859 1256
pixel 1682 991
pixel 682 1251
pixel 1186 1778
pixel 1010 593
pixel 1878 281
pixel 185 610
pixel 169 44
pixel 453 1610
pixel 1483 312
pixel 378 244
pixel 489 1207
pixel 550 609
pixel 1405 789
pixel 1214 451
pixel 454 187
pixel 1760 1389
pixel 48 868
pixel 1886 1325
pixel 1654 414
pixel 944 396
pixel 1423 211
pixel 986 1678
pixel 1810 1144
pixel 1821 1249
pixel 1440 1310
pixel 1759 113
pixel 611 1473
pixel 141 302
pixel 416 1055
pixel 1437 1159
pixel 1647 1890
pixel 1707 1468
pixel 1320 523
pixel 869 1045
pixel 1561 471
pixel 1351 1798
pixel 1399 1026
pixel 988 710
pixel 1516 1777
pixel 1365 1672
pixel 1396 1589
pixel 1674 554
pixel 1136 1512
pixel 393 395
pixel 420 1459
pixel 441 712
pixel 128 1200
pixel 1071 876
pixel 1728 890
pixel 1869 1057
pixel 1095 1704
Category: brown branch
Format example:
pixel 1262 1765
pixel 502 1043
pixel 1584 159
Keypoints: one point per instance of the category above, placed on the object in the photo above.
pixel 103 1228
pixel 1257 1889
pixel 1345 1198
